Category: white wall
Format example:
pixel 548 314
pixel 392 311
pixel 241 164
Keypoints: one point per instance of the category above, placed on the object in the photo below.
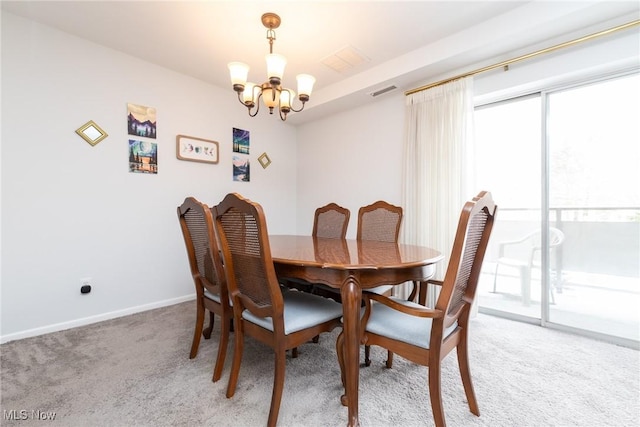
pixel 353 159
pixel 70 210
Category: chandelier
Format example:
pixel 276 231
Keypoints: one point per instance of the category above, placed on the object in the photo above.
pixel 272 93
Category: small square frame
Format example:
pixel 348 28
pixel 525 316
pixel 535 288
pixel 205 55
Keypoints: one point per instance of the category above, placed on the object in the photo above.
pixel 91 132
pixel 264 160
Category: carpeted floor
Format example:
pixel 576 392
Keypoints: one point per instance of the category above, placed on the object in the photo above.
pixel 135 371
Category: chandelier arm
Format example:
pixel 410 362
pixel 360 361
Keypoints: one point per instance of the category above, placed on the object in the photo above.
pixel 282 117
pixel 257 105
pixel 301 108
pixel 240 98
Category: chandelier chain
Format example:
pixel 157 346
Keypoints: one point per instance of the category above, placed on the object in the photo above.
pixel 271 36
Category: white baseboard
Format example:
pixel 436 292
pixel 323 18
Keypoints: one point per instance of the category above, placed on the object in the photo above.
pixel 92 319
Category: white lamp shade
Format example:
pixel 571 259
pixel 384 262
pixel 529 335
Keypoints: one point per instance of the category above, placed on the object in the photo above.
pixel 247 94
pixel 275 65
pixel 268 97
pixel 286 98
pixel 305 84
pixel 239 72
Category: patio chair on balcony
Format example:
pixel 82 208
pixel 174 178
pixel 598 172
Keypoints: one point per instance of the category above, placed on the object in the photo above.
pixel 529 247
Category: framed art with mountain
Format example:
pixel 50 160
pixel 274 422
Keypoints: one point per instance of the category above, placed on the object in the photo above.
pixel 141 121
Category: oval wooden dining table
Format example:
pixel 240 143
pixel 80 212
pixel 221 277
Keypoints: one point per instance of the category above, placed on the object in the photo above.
pixel 351 266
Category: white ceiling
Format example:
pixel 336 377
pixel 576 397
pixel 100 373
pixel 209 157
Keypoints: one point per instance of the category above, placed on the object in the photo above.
pixel 407 43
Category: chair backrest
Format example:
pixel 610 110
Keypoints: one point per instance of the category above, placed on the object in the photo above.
pixel 196 223
pixel 556 237
pixel 533 243
pixel 379 221
pixel 331 221
pixel 469 247
pixel 251 277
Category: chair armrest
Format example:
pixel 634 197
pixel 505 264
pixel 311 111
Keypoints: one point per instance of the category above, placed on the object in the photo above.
pixel 435 282
pixel 501 245
pixel 422 287
pixel 413 310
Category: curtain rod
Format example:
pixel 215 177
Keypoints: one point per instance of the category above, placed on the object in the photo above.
pixel 527 56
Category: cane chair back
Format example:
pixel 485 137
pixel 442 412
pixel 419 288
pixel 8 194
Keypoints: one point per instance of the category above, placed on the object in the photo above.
pixel 331 222
pixel 379 221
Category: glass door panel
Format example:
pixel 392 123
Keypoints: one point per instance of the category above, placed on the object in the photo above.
pixel 594 199
pixel 508 163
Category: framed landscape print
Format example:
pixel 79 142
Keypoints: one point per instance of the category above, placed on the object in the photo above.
pixel 240 141
pixel 141 120
pixel 143 156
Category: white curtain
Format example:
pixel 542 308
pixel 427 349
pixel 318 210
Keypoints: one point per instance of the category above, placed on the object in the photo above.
pixel 437 149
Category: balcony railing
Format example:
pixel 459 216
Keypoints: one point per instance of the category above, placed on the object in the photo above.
pixel 595 273
pixel 601 240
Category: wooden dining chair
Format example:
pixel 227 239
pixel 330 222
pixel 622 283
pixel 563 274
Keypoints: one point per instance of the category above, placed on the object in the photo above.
pixel 282 320
pixel 331 221
pixel 424 335
pixel 196 223
pixel 379 221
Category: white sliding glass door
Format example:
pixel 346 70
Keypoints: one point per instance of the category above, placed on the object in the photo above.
pixel 564 168
pixel 594 194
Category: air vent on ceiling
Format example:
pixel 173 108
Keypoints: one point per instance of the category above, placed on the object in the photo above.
pixel 383 90
pixel 345 59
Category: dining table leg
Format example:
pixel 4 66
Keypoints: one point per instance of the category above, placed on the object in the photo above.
pixel 351 297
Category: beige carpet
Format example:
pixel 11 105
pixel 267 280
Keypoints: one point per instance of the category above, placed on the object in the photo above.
pixel 135 371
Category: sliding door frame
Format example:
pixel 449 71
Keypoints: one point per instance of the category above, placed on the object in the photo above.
pixel 544 319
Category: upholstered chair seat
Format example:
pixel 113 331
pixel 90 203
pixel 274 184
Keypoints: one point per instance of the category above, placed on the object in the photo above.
pixel 390 323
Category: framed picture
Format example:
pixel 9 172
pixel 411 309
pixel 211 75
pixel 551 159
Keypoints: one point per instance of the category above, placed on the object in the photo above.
pixel 241 168
pixel 141 120
pixel 197 149
pixel 264 160
pixel 143 156
pixel 240 141
pixel 91 132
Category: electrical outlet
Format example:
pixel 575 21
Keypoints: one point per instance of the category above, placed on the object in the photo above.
pixel 86 285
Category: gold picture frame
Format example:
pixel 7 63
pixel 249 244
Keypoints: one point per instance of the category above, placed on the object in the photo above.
pixel 264 160
pixel 197 149
pixel 91 132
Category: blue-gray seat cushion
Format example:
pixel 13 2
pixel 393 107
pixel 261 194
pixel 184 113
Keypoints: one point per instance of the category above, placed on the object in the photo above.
pixel 301 311
pixel 211 296
pixel 215 297
pixel 387 322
